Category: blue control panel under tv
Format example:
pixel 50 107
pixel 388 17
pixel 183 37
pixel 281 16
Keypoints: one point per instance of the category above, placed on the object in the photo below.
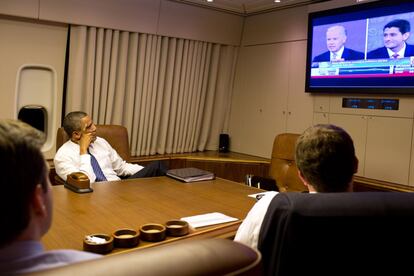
pixel 384 104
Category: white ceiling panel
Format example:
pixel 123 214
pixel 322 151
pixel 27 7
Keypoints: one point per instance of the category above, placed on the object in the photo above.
pixel 248 7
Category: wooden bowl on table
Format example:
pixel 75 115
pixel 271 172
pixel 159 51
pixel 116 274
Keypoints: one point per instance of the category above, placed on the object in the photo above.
pixel 126 238
pixel 177 228
pixel 98 243
pixel 152 232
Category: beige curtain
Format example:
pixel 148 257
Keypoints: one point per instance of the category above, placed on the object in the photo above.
pixel 172 94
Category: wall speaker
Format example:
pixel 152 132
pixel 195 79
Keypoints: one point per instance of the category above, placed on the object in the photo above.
pixel 224 143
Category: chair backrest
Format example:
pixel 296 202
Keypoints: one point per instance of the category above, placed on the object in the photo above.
pixel 196 257
pixel 282 165
pixel 116 135
pixel 366 233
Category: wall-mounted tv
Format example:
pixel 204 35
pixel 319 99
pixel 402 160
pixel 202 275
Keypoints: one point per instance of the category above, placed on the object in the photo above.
pixel 364 48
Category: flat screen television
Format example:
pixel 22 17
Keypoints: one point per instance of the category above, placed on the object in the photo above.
pixel 364 65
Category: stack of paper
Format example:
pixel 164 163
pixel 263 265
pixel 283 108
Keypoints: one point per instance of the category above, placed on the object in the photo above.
pixel 208 219
pixel 190 174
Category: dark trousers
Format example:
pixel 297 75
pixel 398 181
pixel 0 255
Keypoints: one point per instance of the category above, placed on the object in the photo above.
pixel 155 168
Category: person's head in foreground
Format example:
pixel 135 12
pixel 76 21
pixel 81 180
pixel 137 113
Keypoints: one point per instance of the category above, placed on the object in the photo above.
pixel 27 203
pixel 325 157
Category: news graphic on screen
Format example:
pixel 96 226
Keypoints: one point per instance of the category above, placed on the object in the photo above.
pixel 366 48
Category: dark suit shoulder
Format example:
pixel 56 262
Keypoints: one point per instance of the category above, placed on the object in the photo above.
pixel 350 54
pixel 326 56
pixel 378 53
pixel 409 50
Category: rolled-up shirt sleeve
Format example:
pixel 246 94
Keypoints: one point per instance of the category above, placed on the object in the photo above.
pixel 120 166
pixel 248 232
pixel 68 160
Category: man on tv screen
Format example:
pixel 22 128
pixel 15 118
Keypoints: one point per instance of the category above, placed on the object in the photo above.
pixel 335 42
pixel 396 32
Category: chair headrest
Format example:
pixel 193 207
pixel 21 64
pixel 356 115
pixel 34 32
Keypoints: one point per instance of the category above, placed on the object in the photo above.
pixel 196 257
pixel 327 231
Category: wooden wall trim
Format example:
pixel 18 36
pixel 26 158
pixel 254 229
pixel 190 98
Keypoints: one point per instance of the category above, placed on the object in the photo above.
pixel 367 184
pixel 224 163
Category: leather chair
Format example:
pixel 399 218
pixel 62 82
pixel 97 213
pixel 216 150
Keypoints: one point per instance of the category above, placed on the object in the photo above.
pixel 196 257
pixel 282 169
pixel 368 233
pixel 117 137
pixel 282 164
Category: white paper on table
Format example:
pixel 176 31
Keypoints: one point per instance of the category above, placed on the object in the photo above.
pixel 208 219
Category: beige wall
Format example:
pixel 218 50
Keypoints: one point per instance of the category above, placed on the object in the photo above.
pixel 161 17
pixel 35 32
pixel 24 8
pixel 269 96
pixel 279 26
pixel 28 43
pixel 268 89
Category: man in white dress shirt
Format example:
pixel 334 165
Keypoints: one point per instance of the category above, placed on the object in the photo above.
pixel 27 203
pixel 79 152
pixel 326 161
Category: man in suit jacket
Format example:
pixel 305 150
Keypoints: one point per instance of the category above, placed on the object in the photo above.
pixel 396 33
pixel 335 41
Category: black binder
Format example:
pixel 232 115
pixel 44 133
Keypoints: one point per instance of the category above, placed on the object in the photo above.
pixel 190 174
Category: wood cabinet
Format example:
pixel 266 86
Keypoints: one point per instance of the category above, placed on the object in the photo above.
pixel 383 140
pixel 382 145
pixel 231 166
pixel 235 171
pixel 299 104
pixel 269 97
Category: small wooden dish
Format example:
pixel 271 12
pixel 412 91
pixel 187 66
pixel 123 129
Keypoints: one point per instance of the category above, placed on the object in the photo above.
pixel 177 228
pixel 98 247
pixel 152 232
pixel 125 238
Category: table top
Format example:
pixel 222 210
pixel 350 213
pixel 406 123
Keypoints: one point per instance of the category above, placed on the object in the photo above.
pixel 134 202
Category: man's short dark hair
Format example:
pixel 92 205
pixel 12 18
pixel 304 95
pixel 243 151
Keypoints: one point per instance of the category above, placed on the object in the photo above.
pixel 72 122
pixel 23 168
pixel 325 155
pixel 401 24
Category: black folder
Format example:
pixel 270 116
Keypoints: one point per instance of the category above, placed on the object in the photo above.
pixel 190 174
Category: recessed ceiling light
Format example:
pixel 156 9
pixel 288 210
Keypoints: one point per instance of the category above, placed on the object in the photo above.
pixel 210 0
pixel 277 1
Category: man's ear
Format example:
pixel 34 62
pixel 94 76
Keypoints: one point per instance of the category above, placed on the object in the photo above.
pixel 76 135
pixel 406 36
pixel 38 201
pixel 356 162
pixel 302 178
pixel 305 182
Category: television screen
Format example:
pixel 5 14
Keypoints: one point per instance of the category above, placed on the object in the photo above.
pixel 365 48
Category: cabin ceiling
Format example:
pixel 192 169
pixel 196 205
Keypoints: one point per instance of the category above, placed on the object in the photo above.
pixel 248 7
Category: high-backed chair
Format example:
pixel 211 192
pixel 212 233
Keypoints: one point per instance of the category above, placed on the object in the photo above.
pixel 116 135
pixel 367 233
pixel 196 257
pixel 283 173
pixel 282 164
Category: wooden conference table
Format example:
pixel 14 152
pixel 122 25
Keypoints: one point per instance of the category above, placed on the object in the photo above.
pixel 135 202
